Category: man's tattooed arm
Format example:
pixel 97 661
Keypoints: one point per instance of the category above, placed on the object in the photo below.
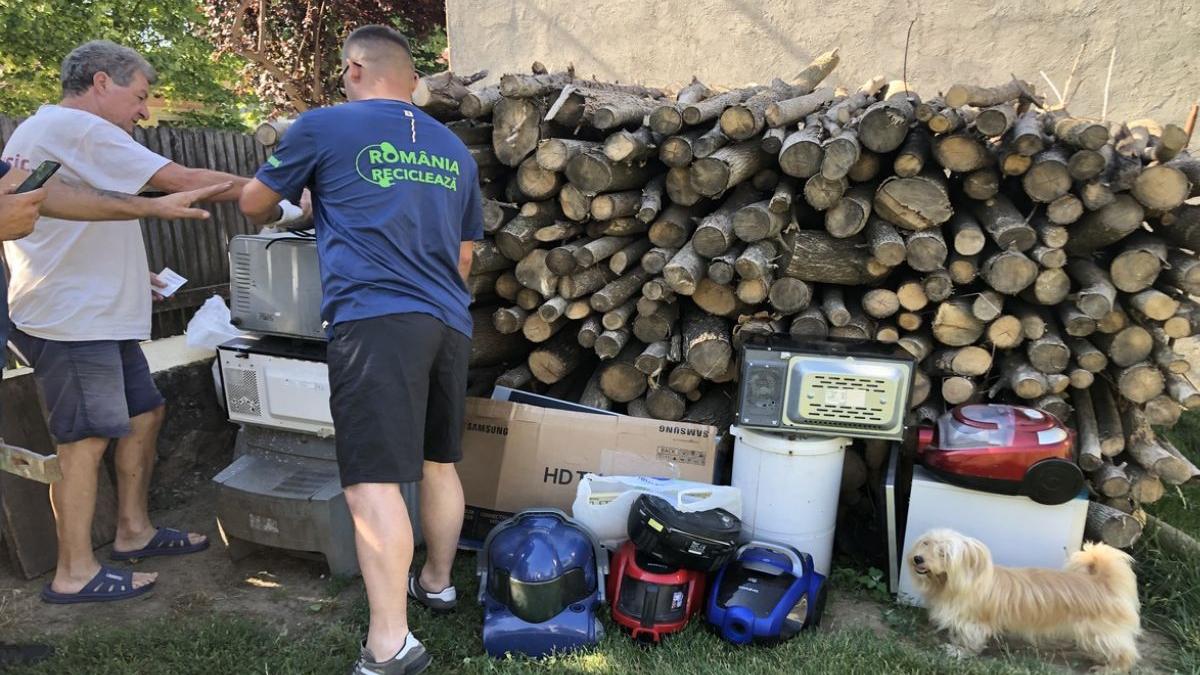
pixel 72 201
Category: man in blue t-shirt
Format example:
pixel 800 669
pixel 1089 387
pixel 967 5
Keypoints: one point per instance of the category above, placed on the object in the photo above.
pixel 396 204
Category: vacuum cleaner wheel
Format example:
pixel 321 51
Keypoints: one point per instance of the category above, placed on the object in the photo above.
pixel 1053 481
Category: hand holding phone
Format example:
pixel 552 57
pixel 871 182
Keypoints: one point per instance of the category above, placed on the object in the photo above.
pixel 19 213
pixel 39 177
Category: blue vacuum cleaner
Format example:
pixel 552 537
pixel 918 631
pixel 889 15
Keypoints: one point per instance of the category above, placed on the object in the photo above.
pixel 769 592
pixel 541 578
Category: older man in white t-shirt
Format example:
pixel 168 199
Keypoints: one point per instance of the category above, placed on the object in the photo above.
pixel 80 300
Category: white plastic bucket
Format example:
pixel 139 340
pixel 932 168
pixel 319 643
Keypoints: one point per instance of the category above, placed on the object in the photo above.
pixel 790 488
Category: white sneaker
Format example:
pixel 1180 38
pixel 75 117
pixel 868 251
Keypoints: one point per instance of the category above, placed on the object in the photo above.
pixel 445 600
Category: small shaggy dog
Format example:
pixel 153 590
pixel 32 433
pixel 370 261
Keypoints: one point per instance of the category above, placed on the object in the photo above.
pixel 1092 601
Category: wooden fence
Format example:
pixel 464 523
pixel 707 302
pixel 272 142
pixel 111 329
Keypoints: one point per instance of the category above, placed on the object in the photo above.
pixel 198 250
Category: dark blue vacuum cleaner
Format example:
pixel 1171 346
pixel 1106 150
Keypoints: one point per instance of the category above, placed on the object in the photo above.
pixel 541 578
pixel 769 592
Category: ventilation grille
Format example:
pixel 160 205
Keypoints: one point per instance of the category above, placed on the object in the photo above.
pixel 842 424
pixel 242 386
pixel 846 399
pixel 841 412
pixel 856 382
pixel 242 277
pixel 303 482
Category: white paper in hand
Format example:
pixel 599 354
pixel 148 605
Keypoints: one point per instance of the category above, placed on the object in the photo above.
pixel 173 281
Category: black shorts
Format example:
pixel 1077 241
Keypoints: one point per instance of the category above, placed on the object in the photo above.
pixel 398 387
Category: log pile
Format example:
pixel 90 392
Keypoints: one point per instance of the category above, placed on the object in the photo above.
pixel 1019 253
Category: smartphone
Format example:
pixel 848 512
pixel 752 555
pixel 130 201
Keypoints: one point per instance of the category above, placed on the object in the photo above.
pixel 39 177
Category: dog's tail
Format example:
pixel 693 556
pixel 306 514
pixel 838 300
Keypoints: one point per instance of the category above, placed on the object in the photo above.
pixel 1110 566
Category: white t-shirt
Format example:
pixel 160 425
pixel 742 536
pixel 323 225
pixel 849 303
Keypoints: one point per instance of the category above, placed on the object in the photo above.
pixel 71 280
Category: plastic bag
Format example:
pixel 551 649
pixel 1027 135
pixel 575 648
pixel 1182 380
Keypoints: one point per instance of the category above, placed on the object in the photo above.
pixel 211 325
pixel 603 502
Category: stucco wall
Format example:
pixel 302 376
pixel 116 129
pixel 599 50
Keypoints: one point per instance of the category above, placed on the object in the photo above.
pixel 734 42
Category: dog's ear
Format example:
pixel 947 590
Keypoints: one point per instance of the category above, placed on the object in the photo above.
pixel 975 557
pixel 967 560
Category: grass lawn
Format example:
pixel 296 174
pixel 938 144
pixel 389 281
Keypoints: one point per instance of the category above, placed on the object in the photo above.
pixel 207 641
pixel 1171 583
pixel 212 643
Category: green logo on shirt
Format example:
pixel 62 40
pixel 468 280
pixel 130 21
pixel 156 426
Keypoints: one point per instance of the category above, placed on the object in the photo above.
pixel 274 161
pixel 383 165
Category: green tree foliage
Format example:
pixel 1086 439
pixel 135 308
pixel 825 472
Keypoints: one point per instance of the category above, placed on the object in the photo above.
pixel 35 35
pixel 292 49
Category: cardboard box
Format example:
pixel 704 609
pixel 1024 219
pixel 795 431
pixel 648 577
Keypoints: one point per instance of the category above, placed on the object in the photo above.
pixel 518 456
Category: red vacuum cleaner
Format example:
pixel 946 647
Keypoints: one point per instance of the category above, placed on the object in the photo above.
pixel 650 598
pixel 1005 449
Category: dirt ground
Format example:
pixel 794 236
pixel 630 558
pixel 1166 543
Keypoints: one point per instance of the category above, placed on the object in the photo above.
pixel 289 593
pixel 279 589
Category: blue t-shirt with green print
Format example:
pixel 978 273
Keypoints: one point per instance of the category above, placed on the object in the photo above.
pixel 394 195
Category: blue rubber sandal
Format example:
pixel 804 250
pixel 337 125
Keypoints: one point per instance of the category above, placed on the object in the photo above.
pixel 166 541
pixel 109 585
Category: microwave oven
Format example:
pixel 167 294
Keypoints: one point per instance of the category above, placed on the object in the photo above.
pixel 275 285
pixel 854 389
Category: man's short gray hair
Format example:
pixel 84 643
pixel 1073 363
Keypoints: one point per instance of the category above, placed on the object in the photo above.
pixel 101 56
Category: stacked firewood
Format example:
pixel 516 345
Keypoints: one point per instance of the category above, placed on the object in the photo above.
pixel 1019 253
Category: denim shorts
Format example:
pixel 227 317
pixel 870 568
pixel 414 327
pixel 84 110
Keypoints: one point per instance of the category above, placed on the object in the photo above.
pixel 91 388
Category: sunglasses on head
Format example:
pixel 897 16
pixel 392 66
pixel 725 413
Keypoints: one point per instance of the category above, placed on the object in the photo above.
pixel 341 76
